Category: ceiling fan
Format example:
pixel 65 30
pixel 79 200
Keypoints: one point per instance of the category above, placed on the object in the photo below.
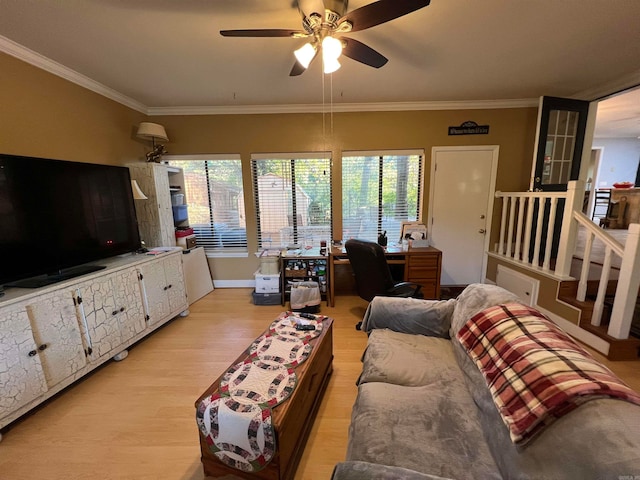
pixel 325 25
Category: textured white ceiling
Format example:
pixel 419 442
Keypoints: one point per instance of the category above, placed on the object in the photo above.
pixel 619 116
pixel 169 53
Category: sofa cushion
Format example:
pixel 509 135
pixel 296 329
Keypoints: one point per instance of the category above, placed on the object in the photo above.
pixel 535 372
pixel 409 315
pixel 598 440
pixel 410 360
pixel 475 298
pixel 375 471
pixel 432 429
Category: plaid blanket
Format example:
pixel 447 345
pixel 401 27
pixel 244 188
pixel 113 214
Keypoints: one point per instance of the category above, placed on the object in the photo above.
pixel 535 372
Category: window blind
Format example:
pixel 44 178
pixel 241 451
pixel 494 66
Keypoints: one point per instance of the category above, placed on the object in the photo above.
pixel 292 195
pixel 380 190
pixel 215 201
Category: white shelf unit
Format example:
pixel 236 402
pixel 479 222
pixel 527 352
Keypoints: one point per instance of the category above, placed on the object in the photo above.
pixel 155 215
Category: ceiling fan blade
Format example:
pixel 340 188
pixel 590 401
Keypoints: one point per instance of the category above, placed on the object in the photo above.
pixel 297 70
pixel 380 12
pixel 362 53
pixel 268 32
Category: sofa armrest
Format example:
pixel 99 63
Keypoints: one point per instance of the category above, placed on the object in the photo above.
pixel 354 470
pixel 409 315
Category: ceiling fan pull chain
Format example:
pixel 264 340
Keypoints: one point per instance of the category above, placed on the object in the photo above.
pixel 324 129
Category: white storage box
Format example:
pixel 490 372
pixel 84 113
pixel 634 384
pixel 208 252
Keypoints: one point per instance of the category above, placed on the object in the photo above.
pixel 269 262
pixel 269 265
pixel 267 283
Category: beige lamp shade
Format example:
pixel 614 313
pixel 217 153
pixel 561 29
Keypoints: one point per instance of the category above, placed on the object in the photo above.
pixel 138 194
pixel 152 130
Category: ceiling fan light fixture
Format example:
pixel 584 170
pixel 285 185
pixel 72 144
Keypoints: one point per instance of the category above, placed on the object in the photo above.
pixel 331 48
pixel 331 51
pixel 330 65
pixel 305 54
pixel 323 20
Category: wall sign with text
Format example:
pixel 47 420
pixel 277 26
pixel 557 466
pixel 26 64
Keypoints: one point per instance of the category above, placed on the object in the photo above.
pixel 469 128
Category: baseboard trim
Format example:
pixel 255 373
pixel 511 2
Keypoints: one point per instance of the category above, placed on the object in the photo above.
pixel 234 283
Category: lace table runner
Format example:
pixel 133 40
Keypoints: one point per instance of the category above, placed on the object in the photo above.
pixel 236 420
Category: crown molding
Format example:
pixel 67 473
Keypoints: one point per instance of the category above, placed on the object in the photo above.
pixel 37 60
pixel 344 107
pixel 625 82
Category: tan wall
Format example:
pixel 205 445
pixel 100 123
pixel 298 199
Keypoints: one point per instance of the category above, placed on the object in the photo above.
pixel 44 115
pixel 512 129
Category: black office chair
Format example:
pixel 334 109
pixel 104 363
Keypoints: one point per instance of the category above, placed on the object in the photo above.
pixel 601 204
pixel 373 276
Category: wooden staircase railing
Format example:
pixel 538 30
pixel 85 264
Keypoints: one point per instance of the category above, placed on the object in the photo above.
pixel 524 245
pixel 619 349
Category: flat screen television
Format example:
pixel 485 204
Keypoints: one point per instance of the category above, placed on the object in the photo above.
pixel 56 216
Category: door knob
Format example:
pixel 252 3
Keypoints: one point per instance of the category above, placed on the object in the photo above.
pixel 481 217
pixel 482 230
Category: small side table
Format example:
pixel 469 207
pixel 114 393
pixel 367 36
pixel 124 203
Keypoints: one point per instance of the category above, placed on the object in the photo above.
pixel 307 265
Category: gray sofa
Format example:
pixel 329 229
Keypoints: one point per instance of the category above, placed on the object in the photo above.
pixel 424 410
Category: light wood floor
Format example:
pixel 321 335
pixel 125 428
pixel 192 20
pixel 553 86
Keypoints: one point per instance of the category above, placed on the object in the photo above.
pixel 135 419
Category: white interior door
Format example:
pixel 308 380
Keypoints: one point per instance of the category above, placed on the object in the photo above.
pixel 460 207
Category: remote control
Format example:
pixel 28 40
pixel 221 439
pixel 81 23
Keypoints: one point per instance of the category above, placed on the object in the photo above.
pixel 305 327
pixel 310 316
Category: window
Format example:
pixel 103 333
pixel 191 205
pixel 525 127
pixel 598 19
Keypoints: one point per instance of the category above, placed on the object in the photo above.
pixel 380 190
pixel 293 198
pixel 215 201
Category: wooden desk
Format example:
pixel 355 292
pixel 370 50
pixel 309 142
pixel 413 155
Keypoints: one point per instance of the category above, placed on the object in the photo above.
pixel 422 265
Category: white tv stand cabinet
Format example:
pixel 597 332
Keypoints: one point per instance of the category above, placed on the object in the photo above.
pixel 52 336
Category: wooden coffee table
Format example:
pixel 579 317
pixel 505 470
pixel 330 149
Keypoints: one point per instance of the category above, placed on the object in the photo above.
pixel 292 419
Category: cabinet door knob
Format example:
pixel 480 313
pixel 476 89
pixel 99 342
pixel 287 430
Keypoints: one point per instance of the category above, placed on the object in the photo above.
pixel 170 286
pixel 43 347
pixel 122 309
pixel 115 312
pixel 33 353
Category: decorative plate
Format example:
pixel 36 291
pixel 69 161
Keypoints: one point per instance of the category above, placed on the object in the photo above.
pixel 273 348
pixel 261 382
pixel 285 326
pixel 240 435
